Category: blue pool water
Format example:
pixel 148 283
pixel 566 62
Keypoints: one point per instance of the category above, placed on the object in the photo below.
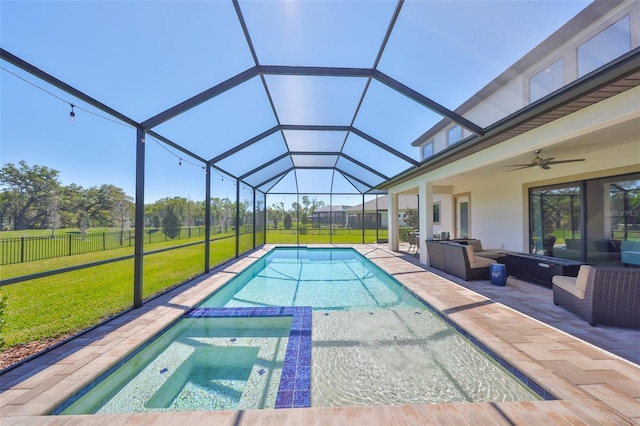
pixel 325 279
pixel 204 362
pixel 365 340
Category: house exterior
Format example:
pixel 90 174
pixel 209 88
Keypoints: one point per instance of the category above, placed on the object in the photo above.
pixel 375 212
pixel 335 216
pixel 575 99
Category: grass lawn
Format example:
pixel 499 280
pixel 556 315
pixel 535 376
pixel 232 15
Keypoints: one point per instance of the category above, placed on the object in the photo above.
pixel 322 236
pixel 70 302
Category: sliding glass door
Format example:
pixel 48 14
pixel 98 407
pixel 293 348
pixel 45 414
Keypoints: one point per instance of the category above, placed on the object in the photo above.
pixel 595 221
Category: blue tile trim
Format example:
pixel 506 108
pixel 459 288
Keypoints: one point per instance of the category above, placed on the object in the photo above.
pixel 295 383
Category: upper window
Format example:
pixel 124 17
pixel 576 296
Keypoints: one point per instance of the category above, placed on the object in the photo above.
pixel 454 135
pixel 427 150
pixel 546 81
pixel 604 47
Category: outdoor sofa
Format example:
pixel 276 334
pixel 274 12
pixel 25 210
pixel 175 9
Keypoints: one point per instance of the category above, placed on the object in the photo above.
pixel 478 250
pixel 458 259
pixel 601 295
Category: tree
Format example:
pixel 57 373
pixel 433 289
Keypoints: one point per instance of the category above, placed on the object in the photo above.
pixel 5 209
pixel 306 203
pixel 287 221
pixel 53 213
pixel 315 205
pixel 123 211
pixel 216 211
pixel 228 212
pixel 276 211
pixel 28 190
pixel 171 222
pixel 411 217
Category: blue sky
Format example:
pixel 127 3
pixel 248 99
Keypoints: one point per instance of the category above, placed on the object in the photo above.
pixel 141 57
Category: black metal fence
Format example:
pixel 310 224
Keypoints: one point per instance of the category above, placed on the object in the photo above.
pixel 28 249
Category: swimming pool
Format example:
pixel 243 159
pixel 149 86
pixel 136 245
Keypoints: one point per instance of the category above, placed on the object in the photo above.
pixel 372 342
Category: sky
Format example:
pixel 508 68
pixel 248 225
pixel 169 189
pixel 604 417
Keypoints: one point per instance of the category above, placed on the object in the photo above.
pixel 142 57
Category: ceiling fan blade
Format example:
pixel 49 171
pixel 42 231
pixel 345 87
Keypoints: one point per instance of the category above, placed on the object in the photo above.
pixel 565 161
pixel 519 168
pixel 545 167
pixel 520 165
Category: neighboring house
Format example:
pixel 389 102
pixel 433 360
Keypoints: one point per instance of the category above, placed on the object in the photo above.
pixel 376 212
pixel 573 97
pixel 335 216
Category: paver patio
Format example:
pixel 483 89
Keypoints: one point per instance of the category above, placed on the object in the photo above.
pixel 593 385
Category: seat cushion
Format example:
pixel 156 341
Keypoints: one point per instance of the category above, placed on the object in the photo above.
pixel 583 276
pixel 568 284
pixel 481 262
pixel 470 253
pixel 476 244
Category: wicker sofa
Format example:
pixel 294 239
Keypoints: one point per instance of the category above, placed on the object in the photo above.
pixel 601 295
pixel 478 250
pixel 458 259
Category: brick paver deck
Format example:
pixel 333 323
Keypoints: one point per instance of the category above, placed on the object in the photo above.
pixel 593 385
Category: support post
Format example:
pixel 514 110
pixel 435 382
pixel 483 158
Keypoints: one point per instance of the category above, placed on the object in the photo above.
pixel 237 218
pixel 364 223
pixel 394 227
pixel 139 218
pixel 425 218
pixel 207 220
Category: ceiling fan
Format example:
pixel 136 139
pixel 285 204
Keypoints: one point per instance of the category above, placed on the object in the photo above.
pixel 541 163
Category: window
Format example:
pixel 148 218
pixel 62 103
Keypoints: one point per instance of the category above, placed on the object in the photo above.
pixel 555 218
pixel 436 213
pixel 546 81
pixel 588 221
pixel 427 150
pixel 454 135
pixel 605 47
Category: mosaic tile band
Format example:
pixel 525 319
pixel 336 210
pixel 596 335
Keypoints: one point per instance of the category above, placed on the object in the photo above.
pixel 295 383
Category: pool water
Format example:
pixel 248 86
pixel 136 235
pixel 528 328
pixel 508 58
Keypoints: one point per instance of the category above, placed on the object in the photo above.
pixel 397 357
pixel 198 364
pixel 326 279
pixel 373 342
pixel 363 340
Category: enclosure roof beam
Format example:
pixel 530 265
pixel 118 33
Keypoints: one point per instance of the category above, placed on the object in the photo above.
pixel 282 174
pixel 264 165
pixel 343 155
pixel 246 144
pixel 427 102
pixel 37 72
pixel 315 71
pixel 176 146
pixel 384 146
pixel 200 98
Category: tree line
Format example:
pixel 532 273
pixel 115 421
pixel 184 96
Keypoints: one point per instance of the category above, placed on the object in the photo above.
pixel 278 213
pixel 32 197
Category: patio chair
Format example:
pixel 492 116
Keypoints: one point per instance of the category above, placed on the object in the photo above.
pixel 413 243
pixel 601 295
